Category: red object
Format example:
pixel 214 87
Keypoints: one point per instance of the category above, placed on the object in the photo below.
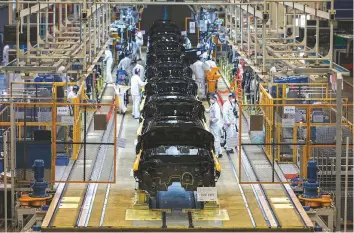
pixel 110 111
pixel 290 176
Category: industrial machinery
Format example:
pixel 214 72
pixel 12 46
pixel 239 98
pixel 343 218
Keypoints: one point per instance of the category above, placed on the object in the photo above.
pixel 312 196
pixel 39 196
pixel 174 144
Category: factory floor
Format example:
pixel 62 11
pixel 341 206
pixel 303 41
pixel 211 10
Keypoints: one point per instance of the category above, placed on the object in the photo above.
pixel 113 209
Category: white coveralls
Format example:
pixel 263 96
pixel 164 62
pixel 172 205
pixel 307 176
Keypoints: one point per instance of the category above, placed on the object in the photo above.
pixel 120 92
pixel 71 94
pixel 5 55
pixel 125 65
pixel 229 118
pixel 109 59
pixel 209 64
pixel 187 43
pixel 139 41
pixel 136 85
pixel 199 73
pixel 142 71
pixel 215 126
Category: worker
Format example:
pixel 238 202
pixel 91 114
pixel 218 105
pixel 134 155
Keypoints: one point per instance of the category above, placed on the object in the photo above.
pixel 187 43
pixel 109 62
pixel 141 68
pixel 125 64
pixel 229 115
pixel 136 85
pixel 5 55
pixel 273 70
pixel 209 62
pixel 139 40
pixel 72 95
pixel 215 123
pixel 199 74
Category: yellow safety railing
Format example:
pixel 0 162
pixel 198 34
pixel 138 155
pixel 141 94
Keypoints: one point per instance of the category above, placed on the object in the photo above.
pixel 53 85
pixel 278 131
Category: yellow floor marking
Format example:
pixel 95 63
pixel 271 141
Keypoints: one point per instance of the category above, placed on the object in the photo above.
pixel 68 206
pixel 134 214
pixel 70 199
pixel 211 215
pixel 283 206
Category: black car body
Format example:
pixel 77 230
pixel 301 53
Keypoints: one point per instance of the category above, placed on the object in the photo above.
pixel 174 144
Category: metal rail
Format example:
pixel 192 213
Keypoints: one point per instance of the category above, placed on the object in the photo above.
pixel 85 209
pixel 241 190
pixel 63 186
pixel 110 177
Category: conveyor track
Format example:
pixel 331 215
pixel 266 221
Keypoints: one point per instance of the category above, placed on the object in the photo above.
pixel 280 203
pixel 73 199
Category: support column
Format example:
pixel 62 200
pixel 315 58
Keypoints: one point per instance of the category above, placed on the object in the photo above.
pixel 276 17
pixel 13 157
pixel 264 51
pixel 241 27
pixel 84 34
pixel 248 32
pixel 338 150
pixel 255 35
pixel 236 21
pixel 305 34
pixel 18 32
pixel 46 24
pixel 285 23
pixel 38 52
pixel 317 46
pixel 28 19
pixel 331 37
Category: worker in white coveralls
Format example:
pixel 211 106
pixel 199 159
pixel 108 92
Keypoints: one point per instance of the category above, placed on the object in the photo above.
pixel 230 120
pixel 199 74
pixel 125 64
pixel 142 71
pixel 209 63
pixel 5 54
pixel 215 123
pixel 136 85
pixel 139 40
pixel 109 62
pixel 187 43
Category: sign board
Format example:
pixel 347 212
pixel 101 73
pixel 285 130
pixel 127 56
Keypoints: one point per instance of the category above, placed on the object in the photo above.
pixel 121 26
pixel 289 109
pixel 256 123
pixel 203 25
pixel 207 194
pixel 67 120
pixel 192 27
pixel 63 111
pixel 317 117
pixel 288 122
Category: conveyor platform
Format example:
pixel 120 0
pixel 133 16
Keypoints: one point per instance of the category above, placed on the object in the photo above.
pixel 242 207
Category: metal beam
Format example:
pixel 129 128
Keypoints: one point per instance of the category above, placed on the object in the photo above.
pixel 34 9
pixel 309 10
pixel 22 69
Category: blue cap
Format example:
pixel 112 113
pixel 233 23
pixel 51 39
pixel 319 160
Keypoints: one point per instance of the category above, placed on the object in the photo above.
pixel 231 94
pixel 213 96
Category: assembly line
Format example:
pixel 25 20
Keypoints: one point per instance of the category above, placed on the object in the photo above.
pixel 176 116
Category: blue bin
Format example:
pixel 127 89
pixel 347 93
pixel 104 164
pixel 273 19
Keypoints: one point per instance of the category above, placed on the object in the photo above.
pixel 62 160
